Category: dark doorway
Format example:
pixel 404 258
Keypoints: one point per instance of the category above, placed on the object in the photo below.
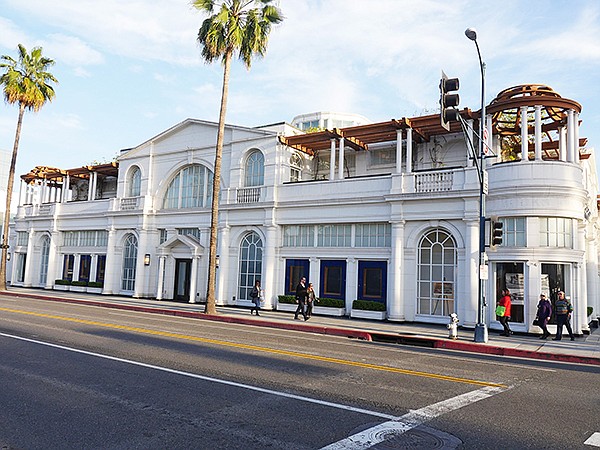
pixel 183 269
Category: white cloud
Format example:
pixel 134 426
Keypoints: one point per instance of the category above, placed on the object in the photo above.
pixel 71 51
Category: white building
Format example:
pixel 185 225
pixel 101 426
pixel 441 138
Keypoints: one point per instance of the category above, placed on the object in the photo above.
pixel 385 212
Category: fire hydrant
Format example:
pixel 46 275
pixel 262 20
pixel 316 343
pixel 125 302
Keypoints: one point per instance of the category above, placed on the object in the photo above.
pixel 453 326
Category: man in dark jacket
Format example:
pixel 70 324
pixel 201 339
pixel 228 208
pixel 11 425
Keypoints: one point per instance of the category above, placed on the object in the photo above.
pixel 544 311
pixel 301 299
pixel 563 310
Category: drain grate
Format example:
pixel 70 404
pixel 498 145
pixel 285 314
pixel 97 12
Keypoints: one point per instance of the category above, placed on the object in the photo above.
pixel 421 437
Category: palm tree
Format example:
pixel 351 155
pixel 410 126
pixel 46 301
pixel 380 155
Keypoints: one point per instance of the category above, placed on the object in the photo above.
pixel 239 27
pixel 26 82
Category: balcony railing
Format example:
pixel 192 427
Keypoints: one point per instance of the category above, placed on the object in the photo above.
pixel 129 203
pixel 248 195
pixel 438 181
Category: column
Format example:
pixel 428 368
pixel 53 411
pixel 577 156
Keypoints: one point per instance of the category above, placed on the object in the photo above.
pixel 53 261
pixel 409 150
pixel 194 278
pixel 142 272
pixel 223 292
pixel 112 278
pixel 269 266
pixel 579 299
pixel 398 151
pixel 332 161
pixel 66 183
pixel 538 132
pixel 29 271
pixel 93 267
pixel 471 155
pixel 489 141
pixel 562 143
pixel 161 277
pixel 395 302
pixel 570 134
pixel 576 137
pixel 20 193
pixel 524 135
pixel 341 160
pixel 90 186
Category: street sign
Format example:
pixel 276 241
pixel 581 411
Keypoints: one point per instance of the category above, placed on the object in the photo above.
pixel 483 272
pixel 484 185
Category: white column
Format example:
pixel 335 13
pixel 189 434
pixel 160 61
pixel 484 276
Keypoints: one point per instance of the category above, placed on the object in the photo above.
pixel 538 132
pixel 53 261
pixel 332 161
pixel 194 279
pixel 579 300
pixel 470 155
pixel 112 275
pixel 576 136
pixel 488 126
pixel 562 143
pixel 524 135
pixel 161 277
pixel 395 293
pixel 409 150
pixel 66 183
pixel 29 271
pixel 90 186
pixel 269 266
pixel 224 289
pixel 341 160
pixel 570 136
pixel 43 191
pixel 398 151
pixel 93 267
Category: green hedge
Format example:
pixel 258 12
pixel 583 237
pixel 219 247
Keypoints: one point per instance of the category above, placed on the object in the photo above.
pixel 590 310
pixel 366 305
pixel 330 302
pixel 79 283
pixel 286 298
pixel 96 284
pixel 62 282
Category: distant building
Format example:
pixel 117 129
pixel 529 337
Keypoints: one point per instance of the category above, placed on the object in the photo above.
pixel 328 120
pixel 382 212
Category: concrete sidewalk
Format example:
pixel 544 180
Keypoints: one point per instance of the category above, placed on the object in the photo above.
pixel 584 350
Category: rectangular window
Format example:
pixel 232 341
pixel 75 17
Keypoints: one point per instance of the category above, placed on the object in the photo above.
pixel 383 156
pixel 333 279
pixel 194 232
pixel 100 268
pixel 372 281
pixel 298 236
pixel 20 268
pixel 87 238
pixel 295 269
pixel 373 235
pixel 511 276
pixel 556 232
pixel 70 239
pixel 22 237
pixel 334 236
pixel 162 235
pixel 68 263
pixel 85 264
pixel 513 232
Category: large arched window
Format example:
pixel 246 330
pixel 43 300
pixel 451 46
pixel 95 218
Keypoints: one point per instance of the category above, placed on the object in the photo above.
pixel 134 182
pixel 190 188
pixel 251 251
pixel 436 274
pixel 130 248
pixel 45 248
pixel 255 169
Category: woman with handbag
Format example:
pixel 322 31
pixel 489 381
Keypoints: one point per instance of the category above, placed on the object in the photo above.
pixel 544 311
pixel 505 316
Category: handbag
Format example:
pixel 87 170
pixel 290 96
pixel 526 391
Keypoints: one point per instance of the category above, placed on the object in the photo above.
pixel 500 310
pixel 536 322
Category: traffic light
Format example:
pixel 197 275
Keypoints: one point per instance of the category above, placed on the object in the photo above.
pixel 496 233
pixel 448 100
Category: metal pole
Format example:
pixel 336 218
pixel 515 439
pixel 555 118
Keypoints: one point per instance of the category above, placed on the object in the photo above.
pixel 481 331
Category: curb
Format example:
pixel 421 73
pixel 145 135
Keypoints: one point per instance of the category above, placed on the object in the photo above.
pixel 402 339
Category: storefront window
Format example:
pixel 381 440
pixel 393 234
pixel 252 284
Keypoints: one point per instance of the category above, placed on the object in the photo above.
pixel 555 278
pixel 511 276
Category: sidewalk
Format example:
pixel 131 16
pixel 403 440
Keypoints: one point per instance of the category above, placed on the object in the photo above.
pixel 584 350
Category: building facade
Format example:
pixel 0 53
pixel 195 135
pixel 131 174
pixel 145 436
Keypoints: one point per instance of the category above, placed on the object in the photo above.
pixel 382 212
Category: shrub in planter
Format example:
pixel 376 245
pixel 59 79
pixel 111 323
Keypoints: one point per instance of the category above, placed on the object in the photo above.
pixel 79 283
pixel 367 305
pixel 590 310
pixel 95 284
pixel 330 302
pixel 286 299
pixel 62 282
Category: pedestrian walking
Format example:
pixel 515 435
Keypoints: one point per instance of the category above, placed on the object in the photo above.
pixel 311 298
pixel 256 295
pixel 503 318
pixel 544 311
pixel 563 309
pixel 301 299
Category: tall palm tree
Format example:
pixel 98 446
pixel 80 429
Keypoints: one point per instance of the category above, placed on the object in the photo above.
pixel 239 27
pixel 25 81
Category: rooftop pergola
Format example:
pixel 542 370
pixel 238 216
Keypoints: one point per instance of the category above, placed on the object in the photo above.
pixel 52 174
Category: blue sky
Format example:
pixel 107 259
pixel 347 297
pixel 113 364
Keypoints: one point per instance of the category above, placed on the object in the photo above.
pixel 130 69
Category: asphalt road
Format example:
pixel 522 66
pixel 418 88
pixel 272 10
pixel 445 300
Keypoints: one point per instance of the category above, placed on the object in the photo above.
pixel 77 376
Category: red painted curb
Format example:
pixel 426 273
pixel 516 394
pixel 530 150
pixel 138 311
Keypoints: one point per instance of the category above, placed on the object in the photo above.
pixel 319 329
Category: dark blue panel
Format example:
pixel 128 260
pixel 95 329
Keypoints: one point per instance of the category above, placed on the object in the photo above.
pixel 372 281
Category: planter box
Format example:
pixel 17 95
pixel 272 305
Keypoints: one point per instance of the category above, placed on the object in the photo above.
pixel 94 290
pixel 291 307
pixel 363 314
pixel 78 288
pixel 328 311
pixel 62 287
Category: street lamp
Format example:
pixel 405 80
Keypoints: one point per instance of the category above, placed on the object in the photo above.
pixel 481 332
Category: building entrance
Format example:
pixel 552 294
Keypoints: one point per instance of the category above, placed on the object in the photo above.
pixel 183 269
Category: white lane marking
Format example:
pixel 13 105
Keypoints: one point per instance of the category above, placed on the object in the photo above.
pixel 413 419
pixel 210 379
pixel 594 440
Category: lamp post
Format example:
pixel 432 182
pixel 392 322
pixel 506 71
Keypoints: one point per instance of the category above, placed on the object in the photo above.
pixel 481 332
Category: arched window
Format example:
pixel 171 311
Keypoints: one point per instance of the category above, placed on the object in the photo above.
pixel 190 188
pixel 134 182
pixel 129 262
pixel 436 274
pixel 255 169
pixel 45 247
pixel 295 167
pixel 251 251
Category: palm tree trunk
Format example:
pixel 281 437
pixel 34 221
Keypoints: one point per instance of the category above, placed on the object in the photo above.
pixel 214 219
pixel 9 190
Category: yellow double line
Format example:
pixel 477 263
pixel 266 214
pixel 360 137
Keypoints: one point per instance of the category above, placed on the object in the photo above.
pixel 259 349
